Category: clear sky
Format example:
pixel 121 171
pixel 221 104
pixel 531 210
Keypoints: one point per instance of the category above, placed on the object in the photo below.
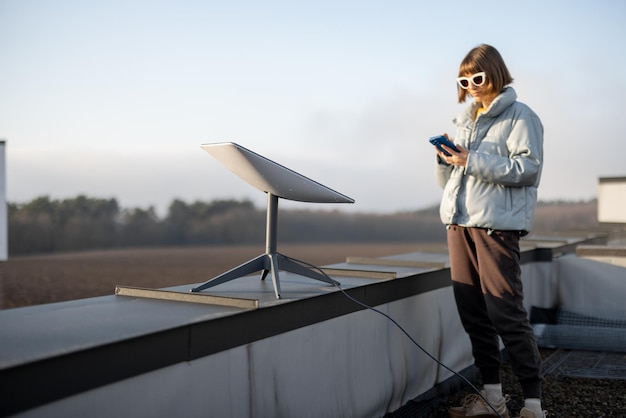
pixel 114 98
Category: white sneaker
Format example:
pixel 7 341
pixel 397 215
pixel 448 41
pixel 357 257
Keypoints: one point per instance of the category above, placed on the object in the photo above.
pixel 527 413
pixel 475 406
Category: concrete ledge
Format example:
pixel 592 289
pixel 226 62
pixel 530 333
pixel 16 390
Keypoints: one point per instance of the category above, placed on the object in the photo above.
pixel 601 250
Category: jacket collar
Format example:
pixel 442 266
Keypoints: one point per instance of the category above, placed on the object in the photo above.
pixel 499 104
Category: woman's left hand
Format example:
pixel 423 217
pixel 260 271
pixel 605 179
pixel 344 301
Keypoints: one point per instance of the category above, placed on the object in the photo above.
pixel 455 158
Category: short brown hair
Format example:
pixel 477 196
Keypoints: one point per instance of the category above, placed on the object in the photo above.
pixel 485 58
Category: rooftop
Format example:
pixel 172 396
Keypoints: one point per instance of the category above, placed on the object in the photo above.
pixel 148 352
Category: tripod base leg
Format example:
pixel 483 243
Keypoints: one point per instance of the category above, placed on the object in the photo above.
pixel 287 264
pixel 268 263
pixel 259 263
pixel 274 268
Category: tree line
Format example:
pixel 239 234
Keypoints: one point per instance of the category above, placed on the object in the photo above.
pixel 46 225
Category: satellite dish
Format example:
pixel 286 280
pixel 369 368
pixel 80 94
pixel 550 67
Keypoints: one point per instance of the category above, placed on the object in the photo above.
pixel 271 177
pixel 278 182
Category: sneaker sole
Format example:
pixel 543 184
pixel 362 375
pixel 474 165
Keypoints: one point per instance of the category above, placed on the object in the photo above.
pixel 460 413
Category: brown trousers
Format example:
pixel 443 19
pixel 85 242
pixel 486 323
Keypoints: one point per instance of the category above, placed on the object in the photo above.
pixel 486 278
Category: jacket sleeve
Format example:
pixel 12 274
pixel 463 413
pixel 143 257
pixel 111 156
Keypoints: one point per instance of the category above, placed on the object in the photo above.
pixel 522 166
pixel 442 172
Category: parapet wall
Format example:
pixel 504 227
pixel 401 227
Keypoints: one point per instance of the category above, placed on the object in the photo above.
pixel 313 353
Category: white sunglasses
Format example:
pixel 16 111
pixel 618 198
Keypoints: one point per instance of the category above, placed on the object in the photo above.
pixel 477 79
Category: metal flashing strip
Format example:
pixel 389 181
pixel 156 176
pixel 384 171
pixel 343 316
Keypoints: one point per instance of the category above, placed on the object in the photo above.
pixel 612 180
pixel 362 274
pixel 142 292
pixel 396 262
pixel 601 250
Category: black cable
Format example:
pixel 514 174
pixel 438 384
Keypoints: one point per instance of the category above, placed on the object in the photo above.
pixel 405 332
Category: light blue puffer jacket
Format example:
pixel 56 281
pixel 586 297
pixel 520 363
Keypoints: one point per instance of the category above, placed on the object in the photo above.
pixel 497 189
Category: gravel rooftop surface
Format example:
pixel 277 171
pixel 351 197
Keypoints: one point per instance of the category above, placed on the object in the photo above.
pixel 577 384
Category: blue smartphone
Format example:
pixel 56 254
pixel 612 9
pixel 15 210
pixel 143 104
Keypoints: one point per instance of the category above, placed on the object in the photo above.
pixel 440 140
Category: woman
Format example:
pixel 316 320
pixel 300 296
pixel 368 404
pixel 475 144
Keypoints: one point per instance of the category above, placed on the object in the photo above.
pixel 489 198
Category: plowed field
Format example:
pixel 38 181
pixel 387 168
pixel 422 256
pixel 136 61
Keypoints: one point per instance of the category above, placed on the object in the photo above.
pixel 34 280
